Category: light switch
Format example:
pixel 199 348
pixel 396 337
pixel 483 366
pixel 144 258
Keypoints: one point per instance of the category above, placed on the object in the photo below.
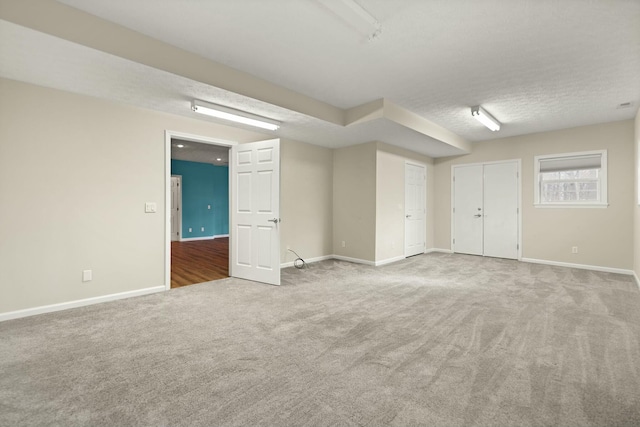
pixel 150 207
pixel 208 206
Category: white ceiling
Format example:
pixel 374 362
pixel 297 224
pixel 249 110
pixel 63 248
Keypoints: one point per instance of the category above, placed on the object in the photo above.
pixel 535 65
pixel 201 153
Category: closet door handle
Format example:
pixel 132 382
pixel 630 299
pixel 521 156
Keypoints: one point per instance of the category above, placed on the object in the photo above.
pixel 477 216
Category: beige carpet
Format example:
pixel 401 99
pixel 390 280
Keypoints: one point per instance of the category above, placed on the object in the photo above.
pixel 435 340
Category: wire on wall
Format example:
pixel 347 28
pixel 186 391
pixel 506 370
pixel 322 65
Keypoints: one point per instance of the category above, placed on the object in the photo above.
pixel 299 262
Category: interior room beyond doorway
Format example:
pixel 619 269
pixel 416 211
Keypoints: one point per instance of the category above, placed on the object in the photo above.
pixel 199 212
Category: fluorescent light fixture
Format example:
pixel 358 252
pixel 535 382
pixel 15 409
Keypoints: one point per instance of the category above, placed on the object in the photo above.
pixel 485 118
pixel 355 16
pixel 231 114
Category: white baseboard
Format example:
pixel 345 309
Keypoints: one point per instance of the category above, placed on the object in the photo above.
pixel 389 260
pixel 355 260
pixel 78 303
pixel 307 260
pixel 359 260
pixel 444 251
pixel 580 266
pixel 191 239
pixel 635 276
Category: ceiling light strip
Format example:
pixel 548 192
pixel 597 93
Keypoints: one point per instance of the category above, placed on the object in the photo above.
pixel 231 114
pixel 485 118
pixel 354 15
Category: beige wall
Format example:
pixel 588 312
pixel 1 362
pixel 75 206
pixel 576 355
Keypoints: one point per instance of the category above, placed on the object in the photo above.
pixel 603 236
pixel 75 173
pixel 390 172
pixel 636 198
pixel 354 201
pixel 306 200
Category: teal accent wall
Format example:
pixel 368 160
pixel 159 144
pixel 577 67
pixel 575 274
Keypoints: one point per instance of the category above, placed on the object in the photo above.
pixel 203 184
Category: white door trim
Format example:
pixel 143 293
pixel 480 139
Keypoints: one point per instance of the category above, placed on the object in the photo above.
pixel 168 136
pixel 424 204
pixel 519 183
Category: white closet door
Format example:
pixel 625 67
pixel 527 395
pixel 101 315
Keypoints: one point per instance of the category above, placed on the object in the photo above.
pixel 501 210
pixel 415 209
pixel 486 209
pixel 467 215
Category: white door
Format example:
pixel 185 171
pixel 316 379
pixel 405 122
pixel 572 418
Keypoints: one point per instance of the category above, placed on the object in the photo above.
pixel 467 209
pixel 501 210
pixel 486 209
pixel 176 200
pixel 414 208
pixel 254 251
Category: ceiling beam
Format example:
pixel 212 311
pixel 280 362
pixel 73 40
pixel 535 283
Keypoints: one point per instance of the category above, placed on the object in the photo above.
pixel 68 23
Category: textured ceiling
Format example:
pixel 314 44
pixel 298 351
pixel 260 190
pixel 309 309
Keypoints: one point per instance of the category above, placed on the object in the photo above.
pixel 534 65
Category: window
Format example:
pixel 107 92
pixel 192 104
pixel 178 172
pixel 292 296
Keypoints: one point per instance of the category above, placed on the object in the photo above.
pixel 573 179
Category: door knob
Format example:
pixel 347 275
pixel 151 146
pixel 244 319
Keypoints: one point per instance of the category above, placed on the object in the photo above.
pixel 477 216
pixel 407 216
pixel 274 220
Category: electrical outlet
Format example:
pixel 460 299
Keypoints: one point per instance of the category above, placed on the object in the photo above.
pixel 190 230
pixel 574 249
pixel 344 244
pixel 201 228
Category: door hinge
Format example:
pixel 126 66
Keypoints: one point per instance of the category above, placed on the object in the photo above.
pixel 517 246
pixel 454 241
pixel 517 210
pixel 454 179
pixel 454 210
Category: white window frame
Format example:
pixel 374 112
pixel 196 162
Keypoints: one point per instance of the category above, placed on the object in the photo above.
pixel 602 203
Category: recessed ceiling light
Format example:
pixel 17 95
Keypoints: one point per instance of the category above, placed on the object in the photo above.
pixel 219 159
pixel 180 145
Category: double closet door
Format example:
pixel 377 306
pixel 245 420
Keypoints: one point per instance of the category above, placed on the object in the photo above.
pixel 485 214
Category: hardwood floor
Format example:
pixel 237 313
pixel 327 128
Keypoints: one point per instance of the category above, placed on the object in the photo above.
pixel 199 261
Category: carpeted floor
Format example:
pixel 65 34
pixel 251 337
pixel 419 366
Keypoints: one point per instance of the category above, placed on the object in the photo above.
pixel 435 340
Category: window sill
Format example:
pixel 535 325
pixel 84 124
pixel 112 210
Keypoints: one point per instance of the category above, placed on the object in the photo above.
pixel 571 205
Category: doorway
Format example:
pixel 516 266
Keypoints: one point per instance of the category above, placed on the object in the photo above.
pixel 486 209
pixel 198 209
pixel 253 208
